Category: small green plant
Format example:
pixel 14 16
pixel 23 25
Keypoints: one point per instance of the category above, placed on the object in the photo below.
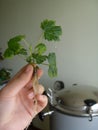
pixel 37 55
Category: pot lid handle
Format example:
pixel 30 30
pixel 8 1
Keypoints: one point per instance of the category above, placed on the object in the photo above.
pixel 90 103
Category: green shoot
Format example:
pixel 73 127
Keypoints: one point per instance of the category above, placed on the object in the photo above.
pixel 37 54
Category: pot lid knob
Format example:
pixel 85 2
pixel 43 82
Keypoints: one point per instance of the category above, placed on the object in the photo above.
pixel 58 85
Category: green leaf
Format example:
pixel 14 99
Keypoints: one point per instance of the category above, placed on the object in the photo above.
pixel 51 31
pixel 8 53
pixel 30 59
pixel 23 51
pixel 52 71
pixel 40 48
pixel 14 47
pixel 52 58
pixel 39 59
pixel 14 43
pixel 16 39
pixel 46 24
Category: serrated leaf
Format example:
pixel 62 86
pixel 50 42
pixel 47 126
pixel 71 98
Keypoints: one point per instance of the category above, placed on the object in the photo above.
pixel 46 24
pixel 40 48
pixel 51 31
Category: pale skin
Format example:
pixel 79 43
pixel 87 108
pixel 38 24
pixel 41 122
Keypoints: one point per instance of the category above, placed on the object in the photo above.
pixel 17 100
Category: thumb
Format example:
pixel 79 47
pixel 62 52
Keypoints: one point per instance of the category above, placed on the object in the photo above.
pixel 19 81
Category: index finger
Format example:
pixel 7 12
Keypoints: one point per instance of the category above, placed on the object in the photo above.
pixel 18 81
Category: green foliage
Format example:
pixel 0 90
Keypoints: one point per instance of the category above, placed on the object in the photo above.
pixel 14 47
pixel 4 75
pixel 52 71
pixel 40 48
pixel 51 31
pixel 39 59
pixel 36 55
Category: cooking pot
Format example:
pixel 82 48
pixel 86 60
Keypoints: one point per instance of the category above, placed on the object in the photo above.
pixel 73 108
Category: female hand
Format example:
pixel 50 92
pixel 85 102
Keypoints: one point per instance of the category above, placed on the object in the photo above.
pixel 17 100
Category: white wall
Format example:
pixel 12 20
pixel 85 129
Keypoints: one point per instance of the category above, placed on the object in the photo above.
pixel 77 52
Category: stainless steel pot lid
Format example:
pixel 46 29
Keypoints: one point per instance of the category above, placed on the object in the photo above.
pixel 77 100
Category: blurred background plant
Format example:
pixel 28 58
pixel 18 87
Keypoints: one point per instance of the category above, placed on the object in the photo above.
pixel 5 73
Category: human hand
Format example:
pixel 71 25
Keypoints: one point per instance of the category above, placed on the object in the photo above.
pixel 17 100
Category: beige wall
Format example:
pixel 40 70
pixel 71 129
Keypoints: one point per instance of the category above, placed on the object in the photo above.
pixel 77 52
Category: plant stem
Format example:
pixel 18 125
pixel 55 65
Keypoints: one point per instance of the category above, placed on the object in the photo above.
pixel 45 64
pixel 26 43
pixel 40 38
pixel 28 46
